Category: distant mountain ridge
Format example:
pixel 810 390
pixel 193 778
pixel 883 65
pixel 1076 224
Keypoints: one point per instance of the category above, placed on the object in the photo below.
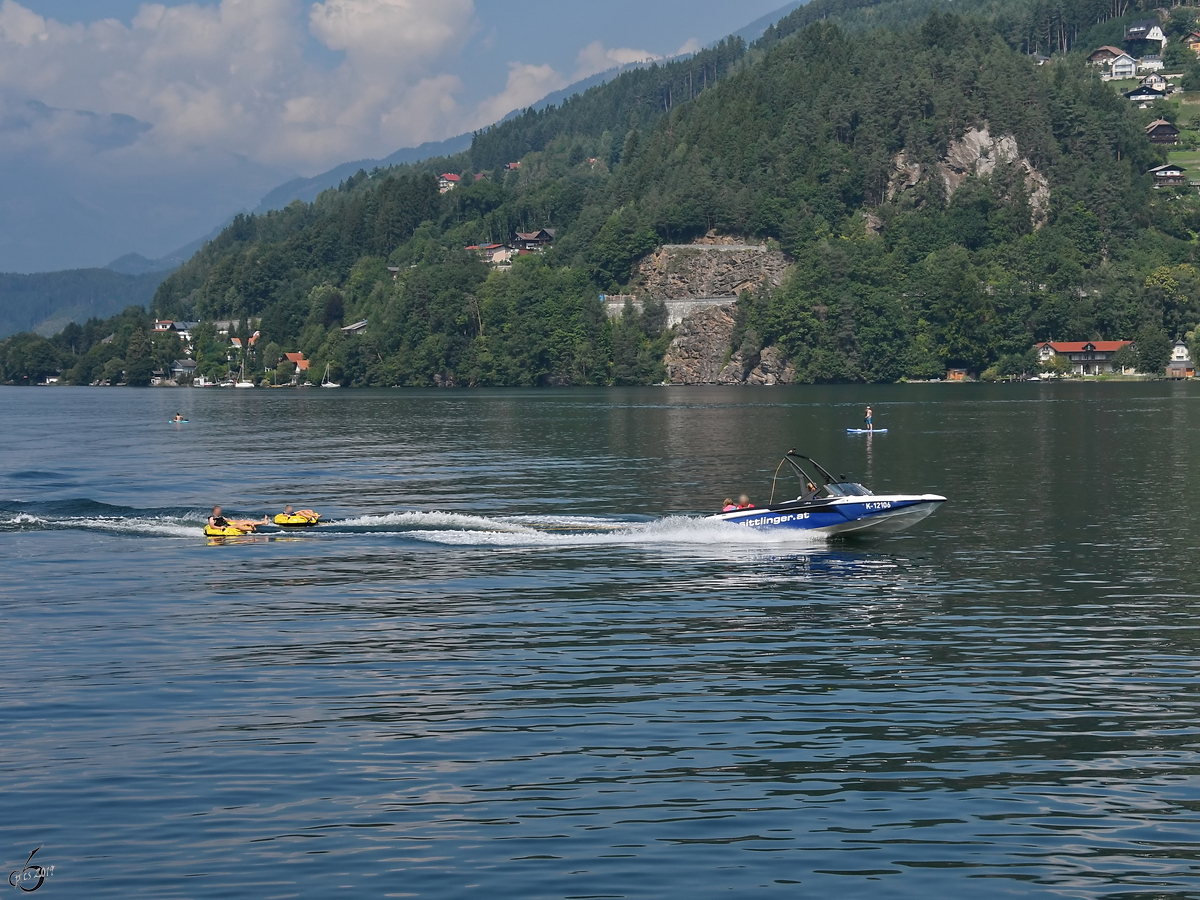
pixel 44 302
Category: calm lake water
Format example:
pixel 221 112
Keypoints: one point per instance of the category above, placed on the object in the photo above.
pixel 514 664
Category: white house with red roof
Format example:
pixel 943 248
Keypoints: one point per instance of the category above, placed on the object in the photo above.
pixel 447 182
pixel 1085 357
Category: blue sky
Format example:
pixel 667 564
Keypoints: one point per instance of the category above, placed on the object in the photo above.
pixel 199 109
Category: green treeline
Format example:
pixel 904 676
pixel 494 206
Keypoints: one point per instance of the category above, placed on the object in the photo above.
pixel 800 139
pixel 46 301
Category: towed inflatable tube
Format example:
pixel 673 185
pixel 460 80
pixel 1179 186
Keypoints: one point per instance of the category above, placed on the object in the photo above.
pixel 227 531
pixel 296 521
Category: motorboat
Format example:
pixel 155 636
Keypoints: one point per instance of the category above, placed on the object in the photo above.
pixel 832 505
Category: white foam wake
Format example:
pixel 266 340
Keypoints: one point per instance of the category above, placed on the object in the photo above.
pixel 565 531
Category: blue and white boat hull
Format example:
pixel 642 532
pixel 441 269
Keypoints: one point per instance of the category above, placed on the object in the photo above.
pixel 879 513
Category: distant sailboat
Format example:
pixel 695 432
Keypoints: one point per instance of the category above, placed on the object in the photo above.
pixel 325 382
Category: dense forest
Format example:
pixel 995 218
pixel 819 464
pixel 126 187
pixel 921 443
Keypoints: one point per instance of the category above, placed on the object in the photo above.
pixel 798 140
pixel 47 301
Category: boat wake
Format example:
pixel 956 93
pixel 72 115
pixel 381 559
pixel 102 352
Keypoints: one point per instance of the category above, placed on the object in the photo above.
pixel 433 527
pixel 457 529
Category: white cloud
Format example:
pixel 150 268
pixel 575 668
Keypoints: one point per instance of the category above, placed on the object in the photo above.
pixel 526 85
pixel 596 58
pixel 234 75
pixel 19 25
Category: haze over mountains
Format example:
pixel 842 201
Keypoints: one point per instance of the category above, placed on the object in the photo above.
pixel 44 218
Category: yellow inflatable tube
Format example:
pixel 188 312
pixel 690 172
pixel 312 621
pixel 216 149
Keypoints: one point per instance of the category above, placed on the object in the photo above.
pixel 296 520
pixel 227 531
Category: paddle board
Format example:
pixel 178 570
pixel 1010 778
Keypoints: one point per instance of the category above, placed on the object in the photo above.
pixel 865 431
pixel 178 422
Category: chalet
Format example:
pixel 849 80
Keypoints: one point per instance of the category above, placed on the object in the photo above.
pixel 1146 30
pixel 533 241
pixel 1192 42
pixel 1156 81
pixel 161 326
pixel 447 182
pixel 512 167
pixel 1160 131
pixel 1124 66
pixel 498 255
pixel 1104 55
pixel 1151 64
pixel 298 360
pixel 1181 365
pixel 356 328
pixel 183 368
pixel 1084 357
pixel 1168 175
pixel 1145 94
pixel 185 329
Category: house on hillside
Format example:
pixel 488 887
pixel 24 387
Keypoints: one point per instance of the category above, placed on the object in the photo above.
pixel 1146 30
pixel 1145 94
pixel 1151 64
pixel 1160 131
pixel 1104 55
pixel 447 182
pixel 1181 365
pixel 1192 42
pixel 162 326
pixel 1169 175
pixel 1124 66
pixel 495 255
pixel 298 360
pixel 183 369
pixel 1084 357
pixel 356 328
pixel 513 166
pixel 533 241
pixel 1156 81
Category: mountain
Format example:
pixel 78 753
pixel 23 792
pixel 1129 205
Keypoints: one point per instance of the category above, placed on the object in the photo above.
pixel 945 202
pixel 307 189
pixel 46 302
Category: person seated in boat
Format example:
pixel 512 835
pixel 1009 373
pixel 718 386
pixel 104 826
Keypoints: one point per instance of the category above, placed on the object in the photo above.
pixel 306 513
pixel 744 502
pixel 728 505
pixel 810 491
pixel 216 520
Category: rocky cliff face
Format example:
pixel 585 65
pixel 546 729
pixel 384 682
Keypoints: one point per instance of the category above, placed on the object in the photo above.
pixel 700 354
pixel 977 153
pixel 701 351
pixel 675 272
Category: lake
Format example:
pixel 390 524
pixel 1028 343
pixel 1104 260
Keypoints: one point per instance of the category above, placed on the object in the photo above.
pixel 514 663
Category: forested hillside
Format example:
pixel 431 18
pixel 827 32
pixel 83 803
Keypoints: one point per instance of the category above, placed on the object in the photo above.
pixel 47 301
pixel 945 200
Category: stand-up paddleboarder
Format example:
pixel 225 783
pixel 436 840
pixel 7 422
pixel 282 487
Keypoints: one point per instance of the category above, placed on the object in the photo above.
pixel 867 419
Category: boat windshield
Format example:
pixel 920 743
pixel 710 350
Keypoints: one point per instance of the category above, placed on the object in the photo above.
pixel 847 489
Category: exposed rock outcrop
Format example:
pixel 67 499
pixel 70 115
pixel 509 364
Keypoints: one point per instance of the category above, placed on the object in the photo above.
pixel 977 153
pixel 675 272
pixel 698 352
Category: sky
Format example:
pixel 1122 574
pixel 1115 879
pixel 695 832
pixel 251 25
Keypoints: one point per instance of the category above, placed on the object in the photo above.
pixel 130 126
